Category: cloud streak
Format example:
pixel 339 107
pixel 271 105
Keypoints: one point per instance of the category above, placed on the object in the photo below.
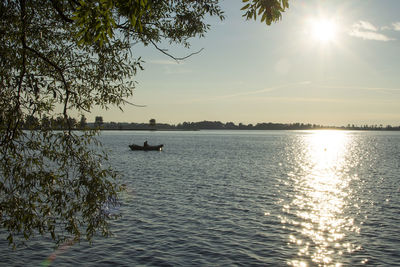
pixel 254 92
pixel 396 26
pixel 268 89
pixel 365 25
pixel 171 66
pixel 386 90
pixel 367 31
pixel 164 62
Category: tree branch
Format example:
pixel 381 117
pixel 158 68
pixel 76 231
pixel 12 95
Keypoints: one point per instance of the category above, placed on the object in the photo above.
pixel 60 71
pixel 135 105
pixel 164 51
pixel 21 78
pixel 56 6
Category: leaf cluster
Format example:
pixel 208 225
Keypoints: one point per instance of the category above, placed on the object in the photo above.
pixel 144 20
pixel 71 55
pixel 55 185
pixel 62 55
pixel 269 10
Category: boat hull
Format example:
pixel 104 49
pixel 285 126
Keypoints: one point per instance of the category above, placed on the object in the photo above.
pixel 146 148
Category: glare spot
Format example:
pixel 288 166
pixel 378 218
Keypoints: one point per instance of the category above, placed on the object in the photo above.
pixel 323 30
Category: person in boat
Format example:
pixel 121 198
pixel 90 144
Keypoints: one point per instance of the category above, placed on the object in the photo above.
pixel 145 144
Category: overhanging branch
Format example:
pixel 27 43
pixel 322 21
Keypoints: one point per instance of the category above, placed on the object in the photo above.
pixel 164 51
pixel 59 70
pixel 56 6
pixel 135 105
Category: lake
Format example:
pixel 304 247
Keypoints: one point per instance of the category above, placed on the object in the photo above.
pixel 246 198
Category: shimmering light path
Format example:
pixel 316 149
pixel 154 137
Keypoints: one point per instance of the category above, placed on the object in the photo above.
pixel 320 193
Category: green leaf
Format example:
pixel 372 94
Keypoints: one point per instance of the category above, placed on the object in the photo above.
pixel 245 7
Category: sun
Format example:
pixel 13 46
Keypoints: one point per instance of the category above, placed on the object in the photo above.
pixel 323 30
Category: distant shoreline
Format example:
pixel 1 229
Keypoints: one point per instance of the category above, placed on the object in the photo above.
pixel 195 130
pixel 152 130
pixel 60 124
pixel 218 125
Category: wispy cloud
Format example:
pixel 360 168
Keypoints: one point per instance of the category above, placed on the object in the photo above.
pixel 164 62
pixel 254 92
pixel 365 25
pixel 173 70
pixel 396 26
pixel 384 90
pixel 171 66
pixel 371 36
pixel 367 31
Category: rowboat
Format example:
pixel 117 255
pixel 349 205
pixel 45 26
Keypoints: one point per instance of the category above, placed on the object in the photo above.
pixel 146 148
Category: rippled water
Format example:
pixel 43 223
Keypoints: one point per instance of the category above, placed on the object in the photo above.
pixel 267 198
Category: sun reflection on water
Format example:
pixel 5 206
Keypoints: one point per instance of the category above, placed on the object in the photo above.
pixel 315 213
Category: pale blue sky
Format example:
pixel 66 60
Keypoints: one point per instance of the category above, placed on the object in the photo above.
pixel 249 72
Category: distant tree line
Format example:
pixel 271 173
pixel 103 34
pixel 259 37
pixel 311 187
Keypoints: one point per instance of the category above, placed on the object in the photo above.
pixel 217 125
pixel 53 123
pixel 58 123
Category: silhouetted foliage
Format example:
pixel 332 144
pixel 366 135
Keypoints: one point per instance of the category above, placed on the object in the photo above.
pixel 74 55
pixel 98 121
pixel 268 10
pixel 152 123
pixel 82 122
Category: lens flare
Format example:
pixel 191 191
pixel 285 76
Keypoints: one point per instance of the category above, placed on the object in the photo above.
pixel 323 30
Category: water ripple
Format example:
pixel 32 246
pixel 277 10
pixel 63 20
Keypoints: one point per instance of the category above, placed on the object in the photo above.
pixel 247 199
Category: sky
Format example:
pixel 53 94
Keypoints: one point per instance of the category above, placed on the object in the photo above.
pixel 329 62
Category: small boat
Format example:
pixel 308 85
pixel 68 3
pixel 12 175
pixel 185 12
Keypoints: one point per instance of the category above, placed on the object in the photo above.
pixel 146 148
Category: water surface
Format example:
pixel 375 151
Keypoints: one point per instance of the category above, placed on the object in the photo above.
pixel 250 198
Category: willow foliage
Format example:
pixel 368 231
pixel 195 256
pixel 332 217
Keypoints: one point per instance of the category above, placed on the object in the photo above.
pixel 76 54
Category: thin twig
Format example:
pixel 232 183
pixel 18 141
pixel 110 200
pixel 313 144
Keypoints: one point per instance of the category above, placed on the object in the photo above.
pixel 164 51
pixel 135 105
